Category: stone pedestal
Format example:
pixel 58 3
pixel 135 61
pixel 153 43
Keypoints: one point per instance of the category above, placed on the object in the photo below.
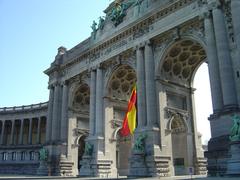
pixel 102 168
pixel 158 166
pixel 95 168
pixel 43 169
pixel 138 165
pixel 86 168
pixel 233 164
pixel 201 166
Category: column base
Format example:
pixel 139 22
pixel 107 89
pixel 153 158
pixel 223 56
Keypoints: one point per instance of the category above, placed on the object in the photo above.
pixel 138 167
pixel 201 166
pixel 217 155
pixel 95 168
pixel 233 166
pixel 43 169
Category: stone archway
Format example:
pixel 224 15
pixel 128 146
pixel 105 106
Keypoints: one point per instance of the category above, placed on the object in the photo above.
pixel 119 88
pixel 176 73
pixel 81 148
pixel 179 141
pixel 79 121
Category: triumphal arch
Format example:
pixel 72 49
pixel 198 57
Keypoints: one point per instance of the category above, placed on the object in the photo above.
pixel 157 45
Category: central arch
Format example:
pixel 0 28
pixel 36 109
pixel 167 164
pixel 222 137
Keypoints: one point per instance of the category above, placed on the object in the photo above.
pixel 119 87
pixel 176 70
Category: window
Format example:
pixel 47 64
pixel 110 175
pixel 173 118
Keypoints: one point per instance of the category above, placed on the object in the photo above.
pixel 23 155
pixel 14 156
pixel 5 156
pixel 32 155
pixel 179 162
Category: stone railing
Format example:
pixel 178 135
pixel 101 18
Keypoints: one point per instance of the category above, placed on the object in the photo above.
pixel 24 108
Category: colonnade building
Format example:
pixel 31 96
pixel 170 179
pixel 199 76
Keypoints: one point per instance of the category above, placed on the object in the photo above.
pixel 159 45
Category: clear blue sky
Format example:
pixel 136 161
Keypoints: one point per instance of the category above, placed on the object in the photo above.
pixel 30 33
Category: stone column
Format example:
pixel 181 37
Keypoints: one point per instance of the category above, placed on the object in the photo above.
pixel 12 132
pixel 225 63
pixel 235 9
pixel 21 132
pixel 92 113
pixel 64 120
pixel 30 131
pixel 213 66
pixel 55 115
pixel 2 133
pixel 99 103
pixel 49 116
pixel 39 131
pixel 150 86
pixel 141 103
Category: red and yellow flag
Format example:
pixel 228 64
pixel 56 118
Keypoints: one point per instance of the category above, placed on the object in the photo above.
pixel 129 122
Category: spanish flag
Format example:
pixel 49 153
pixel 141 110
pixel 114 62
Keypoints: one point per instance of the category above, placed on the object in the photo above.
pixel 129 122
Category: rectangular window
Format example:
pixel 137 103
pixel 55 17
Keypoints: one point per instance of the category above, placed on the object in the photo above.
pixel 23 155
pixel 179 162
pixel 14 156
pixel 32 155
pixel 5 156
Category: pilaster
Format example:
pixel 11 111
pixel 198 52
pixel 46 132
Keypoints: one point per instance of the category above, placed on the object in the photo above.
pixel 21 132
pixel 64 116
pixel 49 116
pixel 12 132
pixel 213 65
pixel 225 62
pixel 141 94
pixel 92 113
pixel 150 86
pixel 39 131
pixel 99 103
pixel 30 131
pixel 55 115
pixel 2 133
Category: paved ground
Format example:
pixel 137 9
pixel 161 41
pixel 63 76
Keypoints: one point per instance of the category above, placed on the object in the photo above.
pixel 2 177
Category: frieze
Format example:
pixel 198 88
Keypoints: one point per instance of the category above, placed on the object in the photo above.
pixel 111 44
pixel 121 42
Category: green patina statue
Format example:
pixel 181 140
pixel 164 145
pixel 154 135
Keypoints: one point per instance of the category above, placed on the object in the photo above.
pixel 94 26
pixel 119 11
pixel 88 149
pixel 101 23
pixel 43 153
pixel 140 143
pixel 235 130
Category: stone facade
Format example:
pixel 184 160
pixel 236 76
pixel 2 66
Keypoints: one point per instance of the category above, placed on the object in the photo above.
pixel 157 44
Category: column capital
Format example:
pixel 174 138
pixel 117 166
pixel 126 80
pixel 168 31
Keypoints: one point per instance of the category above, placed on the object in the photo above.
pixel 139 46
pixel 214 4
pixel 64 83
pixel 148 43
pixel 206 14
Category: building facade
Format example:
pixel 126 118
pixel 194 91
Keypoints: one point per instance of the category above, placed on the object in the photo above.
pixel 159 45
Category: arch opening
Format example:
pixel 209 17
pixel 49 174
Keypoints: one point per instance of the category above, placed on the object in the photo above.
pixel 177 71
pixel 119 87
